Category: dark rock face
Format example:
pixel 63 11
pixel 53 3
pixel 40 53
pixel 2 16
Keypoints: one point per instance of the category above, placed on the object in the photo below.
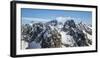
pixel 26 32
pixel 68 25
pixel 52 23
pixel 56 38
pixel 44 35
pixel 37 28
pixel 76 33
pixel 51 38
pixel 84 27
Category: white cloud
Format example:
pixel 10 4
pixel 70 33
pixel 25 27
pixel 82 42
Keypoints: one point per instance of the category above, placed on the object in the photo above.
pixel 30 19
pixel 34 19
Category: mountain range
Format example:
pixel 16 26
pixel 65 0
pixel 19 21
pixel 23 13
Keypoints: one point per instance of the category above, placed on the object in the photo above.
pixel 55 34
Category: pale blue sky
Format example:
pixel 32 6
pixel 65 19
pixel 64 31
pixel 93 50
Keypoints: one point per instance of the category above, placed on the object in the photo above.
pixel 45 14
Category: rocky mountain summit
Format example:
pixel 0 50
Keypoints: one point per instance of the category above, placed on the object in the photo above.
pixel 54 34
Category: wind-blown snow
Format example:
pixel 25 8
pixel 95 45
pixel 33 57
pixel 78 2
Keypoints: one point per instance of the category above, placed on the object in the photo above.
pixel 67 39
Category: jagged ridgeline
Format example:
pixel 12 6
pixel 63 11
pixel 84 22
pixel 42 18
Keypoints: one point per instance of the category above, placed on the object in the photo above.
pixel 54 34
